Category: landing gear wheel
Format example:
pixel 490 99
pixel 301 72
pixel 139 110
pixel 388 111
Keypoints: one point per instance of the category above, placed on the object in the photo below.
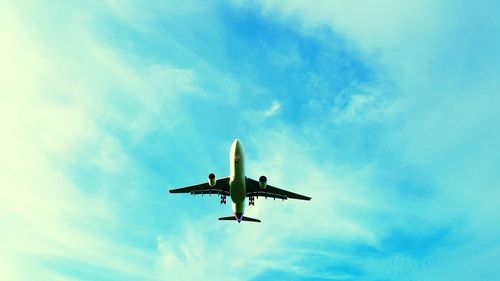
pixel 223 199
pixel 251 201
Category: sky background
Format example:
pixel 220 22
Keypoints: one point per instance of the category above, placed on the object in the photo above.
pixel 385 112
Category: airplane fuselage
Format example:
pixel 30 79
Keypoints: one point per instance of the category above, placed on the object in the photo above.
pixel 237 179
pixel 238 187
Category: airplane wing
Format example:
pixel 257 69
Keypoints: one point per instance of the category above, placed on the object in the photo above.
pixel 221 187
pixel 254 190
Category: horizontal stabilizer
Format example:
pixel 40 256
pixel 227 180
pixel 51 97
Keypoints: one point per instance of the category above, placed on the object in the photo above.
pixel 232 218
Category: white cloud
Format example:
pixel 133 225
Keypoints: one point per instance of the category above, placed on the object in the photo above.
pixel 58 91
pixel 57 96
pixel 360 104
pixel 438 61
pixel 275 107
pixel 344 208
pixel 195 251
pixel 378 24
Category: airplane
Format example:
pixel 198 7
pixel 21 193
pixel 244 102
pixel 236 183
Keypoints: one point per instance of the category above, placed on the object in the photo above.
pixel 237 186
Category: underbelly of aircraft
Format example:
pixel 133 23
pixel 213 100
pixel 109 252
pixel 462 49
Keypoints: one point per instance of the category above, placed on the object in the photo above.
pixel 237 190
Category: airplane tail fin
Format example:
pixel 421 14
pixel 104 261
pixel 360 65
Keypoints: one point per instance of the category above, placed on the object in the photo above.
pixel 232 218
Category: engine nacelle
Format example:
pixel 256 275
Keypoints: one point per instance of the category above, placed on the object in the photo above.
pixel 211 180
pixel 262 182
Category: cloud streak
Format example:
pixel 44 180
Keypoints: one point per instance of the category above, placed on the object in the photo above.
pixel 58 107
pixel 388 123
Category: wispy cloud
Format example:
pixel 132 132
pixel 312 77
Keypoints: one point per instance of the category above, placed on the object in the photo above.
pixel 275 106
pixel 60 100
pixel 435 121
pixel 388 122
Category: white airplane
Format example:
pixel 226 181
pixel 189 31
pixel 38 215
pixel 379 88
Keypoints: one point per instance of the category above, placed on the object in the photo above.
pixel 238 186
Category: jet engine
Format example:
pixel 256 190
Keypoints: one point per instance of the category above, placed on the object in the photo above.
pixel 262 182
pixel 211 180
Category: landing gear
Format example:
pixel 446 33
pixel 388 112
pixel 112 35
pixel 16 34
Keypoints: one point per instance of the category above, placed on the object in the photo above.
pixel 223 199
pixel 251 201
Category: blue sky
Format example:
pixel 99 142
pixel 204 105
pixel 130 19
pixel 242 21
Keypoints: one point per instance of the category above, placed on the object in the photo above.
pixel 386 113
